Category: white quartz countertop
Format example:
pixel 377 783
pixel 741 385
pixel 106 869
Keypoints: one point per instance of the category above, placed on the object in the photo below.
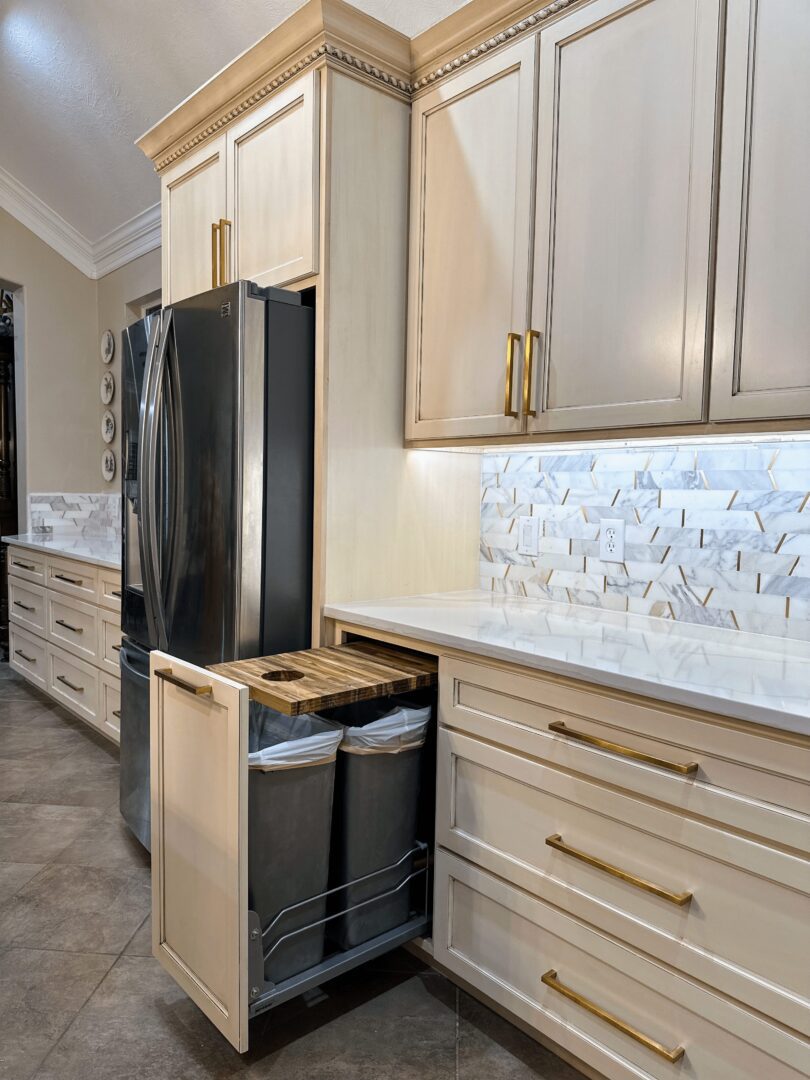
pixel 88 549
pixel 745 676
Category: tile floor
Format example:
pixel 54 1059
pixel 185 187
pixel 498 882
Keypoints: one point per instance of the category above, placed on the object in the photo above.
pixel 81 996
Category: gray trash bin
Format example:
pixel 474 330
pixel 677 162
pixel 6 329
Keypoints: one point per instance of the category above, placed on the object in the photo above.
pixel 375 820
pixel 291 784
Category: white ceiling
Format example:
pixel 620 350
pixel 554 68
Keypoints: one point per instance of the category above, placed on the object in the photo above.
pixel 80 81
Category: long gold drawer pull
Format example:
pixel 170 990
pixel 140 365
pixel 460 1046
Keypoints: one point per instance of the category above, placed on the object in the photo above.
pixel 67 682
pixel 116 593
pixel 214 251
pixel 67 626
pixel 116 648
pixel 167 675
pixel 28 659
pixel 550 979
pixel 117 714
pixel 24 566
pixel 679 899
pixel 224 224
pixel 688 769
pixel 69 580
pixel 511 343
pixel 531 337
pixel 25 607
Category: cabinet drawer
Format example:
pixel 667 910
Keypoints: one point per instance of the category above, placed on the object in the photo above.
pixel 109 589
pixel 76 579
pixel 24 564
pixel 109 643
pixel 769 769
pixel 73 625
pixel 109 713
pixel 27 656
pixel 73 682
pixel 501 810
pixel 26 605
pixel 504 941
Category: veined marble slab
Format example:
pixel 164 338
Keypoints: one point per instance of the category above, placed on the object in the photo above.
pixel 88 549
pixel 746 676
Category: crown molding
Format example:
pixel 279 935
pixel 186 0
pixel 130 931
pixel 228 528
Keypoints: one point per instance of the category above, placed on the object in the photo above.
pixel 95 259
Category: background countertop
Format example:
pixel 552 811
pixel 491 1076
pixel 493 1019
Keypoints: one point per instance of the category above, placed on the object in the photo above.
pixel 88 549
pixel 742 675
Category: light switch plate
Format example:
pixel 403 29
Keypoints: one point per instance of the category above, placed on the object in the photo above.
pixel 611 540
pixel 528 536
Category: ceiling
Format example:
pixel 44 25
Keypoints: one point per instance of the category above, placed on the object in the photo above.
pixel 80 81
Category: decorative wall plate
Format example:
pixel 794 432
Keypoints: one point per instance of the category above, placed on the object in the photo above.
pixel 108 465
pixel 107 387
pixel 107 346
pixel 108 426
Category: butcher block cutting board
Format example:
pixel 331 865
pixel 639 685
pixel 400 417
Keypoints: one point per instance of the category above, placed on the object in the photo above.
pixel 315 679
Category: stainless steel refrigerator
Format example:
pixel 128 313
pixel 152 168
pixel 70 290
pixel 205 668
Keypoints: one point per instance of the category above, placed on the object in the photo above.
pixel 218 395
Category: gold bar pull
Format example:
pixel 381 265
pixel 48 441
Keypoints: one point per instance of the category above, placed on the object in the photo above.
pixel 117 714
pixel 28 659
pixel 68 683
pixel 679 899
pixel 214 253
pixel 68 626
pixel 24 566
pixel 687 769
pixel 25 607
pixel 511 341
pixel 550 979
pixel 69 580
pixel 531 337
pixel 223 250
pixel 198 691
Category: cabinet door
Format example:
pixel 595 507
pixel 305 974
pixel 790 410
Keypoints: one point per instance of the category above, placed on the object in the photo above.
pixel 192 201
pixel 471 180
pixel 199 748
pixel 273 187
pixel 761 361
pixel 626 129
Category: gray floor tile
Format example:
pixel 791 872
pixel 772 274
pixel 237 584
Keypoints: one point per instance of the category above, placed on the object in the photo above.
pixel 105 843
pixel 141 942
pixel 73 780
pixel 77 909
pixel 489 1047
pixel 36 833
pixel 14 875
pixel 38 741
pixel 40 993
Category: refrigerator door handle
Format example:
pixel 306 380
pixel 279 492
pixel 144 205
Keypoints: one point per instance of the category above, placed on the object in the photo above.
pixel 144 481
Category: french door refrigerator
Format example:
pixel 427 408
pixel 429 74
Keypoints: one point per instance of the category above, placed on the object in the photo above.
pixel 217 485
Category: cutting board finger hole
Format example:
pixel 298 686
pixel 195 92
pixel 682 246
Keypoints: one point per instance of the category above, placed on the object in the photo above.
pixel 283 676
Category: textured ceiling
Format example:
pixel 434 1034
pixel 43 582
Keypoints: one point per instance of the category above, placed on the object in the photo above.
pixel 81 80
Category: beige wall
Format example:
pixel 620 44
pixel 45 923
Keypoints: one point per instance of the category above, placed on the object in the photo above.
pixel 63 314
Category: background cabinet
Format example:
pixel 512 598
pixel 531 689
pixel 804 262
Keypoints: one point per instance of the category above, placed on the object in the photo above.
pixel 761 363
pixel 626 128
pixel 471 177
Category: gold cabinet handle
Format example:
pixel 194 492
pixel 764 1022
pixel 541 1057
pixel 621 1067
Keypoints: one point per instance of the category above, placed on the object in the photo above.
pixel 116 593
pixel 528 364
pixel 116 648
pixel 25 607
pixel 550 979
pixel 67 682
pixel 28 659
pixel 214 253
pixel 168 676
pixel 679 899
pixel 67 626
pixel 511 343
pixel 686 769
pixel 117 714
pixel 24 566
pixel 223 250
pixel 69 580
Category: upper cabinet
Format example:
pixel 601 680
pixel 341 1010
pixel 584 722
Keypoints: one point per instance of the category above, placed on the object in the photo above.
pixel 245 205
pixel 761 362
pixel 626 123
pixel 471 176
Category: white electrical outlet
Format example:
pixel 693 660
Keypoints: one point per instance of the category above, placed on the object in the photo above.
pixel 611 540
pixel 528 536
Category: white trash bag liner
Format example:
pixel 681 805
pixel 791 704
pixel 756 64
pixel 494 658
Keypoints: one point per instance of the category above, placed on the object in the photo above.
pixel 277 741
pixel 402 728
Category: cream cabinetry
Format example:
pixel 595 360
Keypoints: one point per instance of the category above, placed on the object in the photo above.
pixel 65 633
pixel 761 363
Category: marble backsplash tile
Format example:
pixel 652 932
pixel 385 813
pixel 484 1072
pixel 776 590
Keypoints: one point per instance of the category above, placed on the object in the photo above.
pixel 716 533
pixel 67 513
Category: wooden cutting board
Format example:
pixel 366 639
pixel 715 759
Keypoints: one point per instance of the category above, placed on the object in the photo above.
pixel 315 679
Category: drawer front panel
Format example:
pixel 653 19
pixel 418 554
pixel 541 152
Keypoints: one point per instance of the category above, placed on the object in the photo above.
pixel 501 811
pixel 27 565
pixel 76 579
pixel 73 626
pixel 26 605
pixel 109 589
pixel 74 683
pixel 504 941
pixel 110 708
pixel 27 655
pixel 109 647
pixel 517 711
